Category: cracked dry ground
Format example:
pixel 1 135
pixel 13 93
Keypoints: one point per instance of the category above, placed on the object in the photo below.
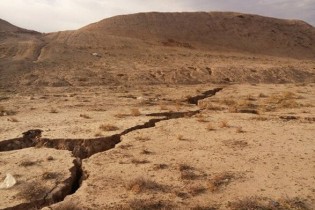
pixel 181 147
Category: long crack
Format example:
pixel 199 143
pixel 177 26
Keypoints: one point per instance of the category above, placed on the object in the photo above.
pixel 206 94
pixel 85 148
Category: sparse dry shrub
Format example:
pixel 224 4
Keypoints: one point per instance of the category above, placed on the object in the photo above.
pixel 121 115
pixel 188 175
pixel 246 105
pixel 214 107
pixel 6 112
pixel 68 206
pixel 293 204
pixel 228 102
pixel 185 167
pixel 209 106
pixel 224 124
pixel 50 158
pixel 233 109
pixel 50 175
pixel 262 203
pixel 137 161
pixel 260 118
pixel 180 137
pixel 178 105
pixel 125 146
pixel 146 152
pixel 27 163
pixel 201 118
pixel 53 110
pixel 210 127
pixel 202 104
pixel 197 190
pixel 108 127
pixel 163 106
pixel 239 144
pixel 187 172
pixel 204 208
pixel 251 203
pixel 32 191
pixel 262 95
pixel 140 204
pixel 142 138
pixel 160 166
pixel 98 134
pixel 281 101
pixel 239 130
pixel 135 112
pixel 140 185
pixel 181 194
pixel 13 119
pixel 289 104
pixel 250 98
pixel 85 116
pixel 289 95
pixel 220 180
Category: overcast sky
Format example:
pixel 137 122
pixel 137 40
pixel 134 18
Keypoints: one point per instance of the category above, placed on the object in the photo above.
pixel 56 15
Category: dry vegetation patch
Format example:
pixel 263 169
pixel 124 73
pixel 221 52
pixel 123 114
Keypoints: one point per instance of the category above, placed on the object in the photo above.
pixel 210 127
pixel 181 137
pixel 50 175
pixel 204 208
pixel 261 203
pixel 188 173
pixel 239 144
pixel 220 180
pixel 209 106
pixel 142 138
pixel 197 190
pixel 140 185
pixel 6 112
pixel 138 162
pixel 27 163
pixel 140 204
pixel 224 124
pixel 85 116
pixel 13 119
pixel 160 166
pixel 69 206
pixel 53 111
pixel 202 119
pixel 263 103
pixel 108 127
pixel 135 112
pixel 239 130
pixel 281 101
pixel 32 191
pixel 121 115
pixel 146 152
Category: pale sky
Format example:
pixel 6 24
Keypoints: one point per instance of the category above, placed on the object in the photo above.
pixel 57 15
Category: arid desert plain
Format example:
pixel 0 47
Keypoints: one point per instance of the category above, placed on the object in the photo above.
pixel 214 112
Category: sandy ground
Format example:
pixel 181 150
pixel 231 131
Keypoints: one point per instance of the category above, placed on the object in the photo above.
pixel 249 145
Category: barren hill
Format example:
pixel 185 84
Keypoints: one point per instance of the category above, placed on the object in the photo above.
pixel 155 48
pixel 215 31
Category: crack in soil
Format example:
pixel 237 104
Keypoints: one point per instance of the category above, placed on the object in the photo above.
pixel 85 148
pixel 206 94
